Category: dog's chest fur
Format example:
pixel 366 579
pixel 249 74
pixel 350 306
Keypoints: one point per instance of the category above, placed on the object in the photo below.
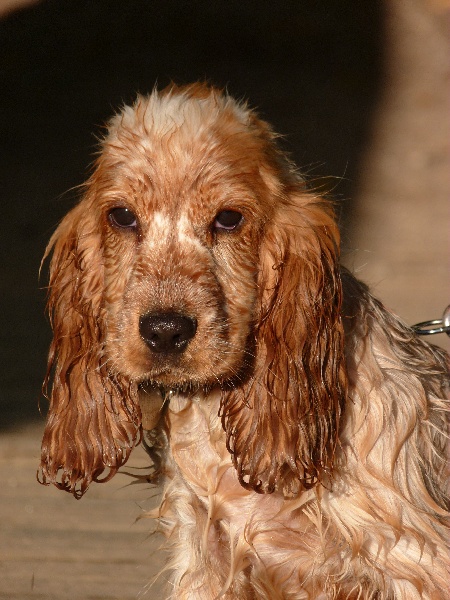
pixel 244 536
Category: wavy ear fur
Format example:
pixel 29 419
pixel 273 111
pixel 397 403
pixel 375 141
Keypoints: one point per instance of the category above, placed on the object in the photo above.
pixel 93 423
pixel 282 424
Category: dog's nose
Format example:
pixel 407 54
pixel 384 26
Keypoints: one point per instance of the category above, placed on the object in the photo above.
pixel 167 332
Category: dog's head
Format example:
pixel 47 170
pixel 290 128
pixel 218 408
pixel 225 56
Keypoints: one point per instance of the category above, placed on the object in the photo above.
pixel 196 258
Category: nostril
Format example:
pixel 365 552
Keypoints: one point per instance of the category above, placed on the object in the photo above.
pixel 167 332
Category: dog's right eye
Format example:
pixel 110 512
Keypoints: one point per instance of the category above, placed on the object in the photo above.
pixel 122 217
pixel 228 220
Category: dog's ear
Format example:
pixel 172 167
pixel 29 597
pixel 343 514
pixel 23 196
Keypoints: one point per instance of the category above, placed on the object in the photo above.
pixel 282 424
pixel 93 419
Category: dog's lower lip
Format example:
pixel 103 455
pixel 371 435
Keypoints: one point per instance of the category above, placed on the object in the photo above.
pixel 165 379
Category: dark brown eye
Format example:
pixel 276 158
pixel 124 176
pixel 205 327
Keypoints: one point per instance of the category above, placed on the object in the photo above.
pixel 228 220
pixel 122 217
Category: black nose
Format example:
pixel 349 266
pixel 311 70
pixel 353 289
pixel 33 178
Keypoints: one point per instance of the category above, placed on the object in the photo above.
pixel 167 332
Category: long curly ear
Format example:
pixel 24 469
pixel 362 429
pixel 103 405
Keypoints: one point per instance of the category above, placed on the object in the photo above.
pixel 282 424
pixel 93 422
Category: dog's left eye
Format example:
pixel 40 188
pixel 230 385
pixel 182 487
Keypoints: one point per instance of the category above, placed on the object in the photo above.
pixel 123 217
pixel 228 220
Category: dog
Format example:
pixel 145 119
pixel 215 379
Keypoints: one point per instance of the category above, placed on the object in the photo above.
pixel 300 428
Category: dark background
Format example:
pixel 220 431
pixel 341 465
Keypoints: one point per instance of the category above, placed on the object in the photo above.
pixel 313 69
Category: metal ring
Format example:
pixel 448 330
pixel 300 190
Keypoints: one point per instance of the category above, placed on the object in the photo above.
pixel 426 328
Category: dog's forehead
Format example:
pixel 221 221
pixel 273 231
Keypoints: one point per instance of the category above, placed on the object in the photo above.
pixel 183 131
pixel 165 147
pixel 175 126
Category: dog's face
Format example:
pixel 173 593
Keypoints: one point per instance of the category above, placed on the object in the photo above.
pixel 196 258
pixel 182 194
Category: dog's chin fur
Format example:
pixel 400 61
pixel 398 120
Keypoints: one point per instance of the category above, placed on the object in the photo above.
pixel 302 433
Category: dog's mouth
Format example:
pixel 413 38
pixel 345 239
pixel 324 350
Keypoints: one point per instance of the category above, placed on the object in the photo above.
pixel 171 376
pixel 181 354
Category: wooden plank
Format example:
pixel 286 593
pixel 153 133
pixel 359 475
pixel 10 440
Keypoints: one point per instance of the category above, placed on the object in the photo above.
pixel 54 547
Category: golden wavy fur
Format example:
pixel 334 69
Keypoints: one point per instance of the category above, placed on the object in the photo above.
pixel 304 434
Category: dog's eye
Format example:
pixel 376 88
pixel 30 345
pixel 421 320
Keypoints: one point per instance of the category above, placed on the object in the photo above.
pixel 123 217
pixel 228 220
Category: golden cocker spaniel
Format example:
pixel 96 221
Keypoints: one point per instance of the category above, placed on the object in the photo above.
pixel 301 429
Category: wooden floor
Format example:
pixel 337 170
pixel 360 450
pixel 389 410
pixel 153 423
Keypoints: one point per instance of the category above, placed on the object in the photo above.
pixel 54 547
